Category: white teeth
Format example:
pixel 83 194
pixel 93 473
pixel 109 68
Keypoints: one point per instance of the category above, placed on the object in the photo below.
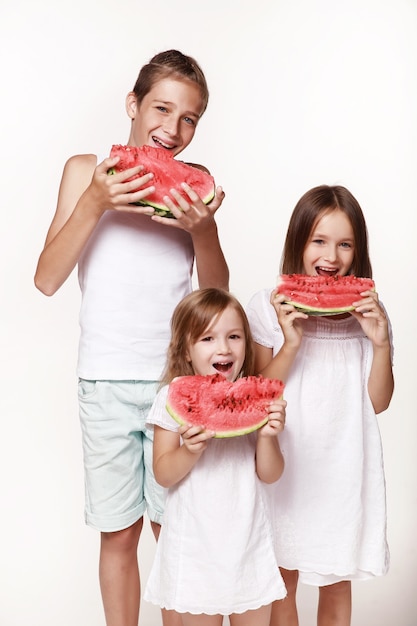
pixel 329 270
pixel 161 143
pixel 227 364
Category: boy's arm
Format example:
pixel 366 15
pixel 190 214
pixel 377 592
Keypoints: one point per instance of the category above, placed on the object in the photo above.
pixel 212 269
pixel 71 226
pixel 197 218
pixel 85 193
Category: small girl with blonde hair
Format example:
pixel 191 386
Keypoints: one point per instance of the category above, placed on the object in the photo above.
pixel 215 553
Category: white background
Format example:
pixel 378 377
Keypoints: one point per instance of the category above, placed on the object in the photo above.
pixel 302 92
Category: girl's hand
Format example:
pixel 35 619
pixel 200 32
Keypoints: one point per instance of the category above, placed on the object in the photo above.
pixel 114 192
pixel 276 419
pixel 195 438
pixel 372 318
pixel 288 319
pixel 191 214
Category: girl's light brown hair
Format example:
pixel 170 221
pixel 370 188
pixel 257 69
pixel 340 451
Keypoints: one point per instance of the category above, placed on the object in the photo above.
pixel 308 210
pixel 191 318
pixel 171 64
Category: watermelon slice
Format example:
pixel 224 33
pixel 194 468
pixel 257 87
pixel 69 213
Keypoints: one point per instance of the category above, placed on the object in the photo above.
pixel 168 174
pixel 323 295
pixel 228 408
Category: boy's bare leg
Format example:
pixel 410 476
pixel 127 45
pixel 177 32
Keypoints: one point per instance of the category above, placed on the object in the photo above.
pixel 119 575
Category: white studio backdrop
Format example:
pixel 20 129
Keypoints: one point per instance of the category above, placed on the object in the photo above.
pixel 302 92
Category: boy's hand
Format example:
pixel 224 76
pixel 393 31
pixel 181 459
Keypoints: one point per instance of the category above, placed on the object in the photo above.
pixel 114 191
pixel 191 214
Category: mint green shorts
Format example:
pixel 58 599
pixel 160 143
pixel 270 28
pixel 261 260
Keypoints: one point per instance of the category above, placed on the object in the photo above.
pixel 117 446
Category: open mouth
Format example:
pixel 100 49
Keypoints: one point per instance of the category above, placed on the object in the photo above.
pixel 326 271
pixel 223 368
pixel 161 144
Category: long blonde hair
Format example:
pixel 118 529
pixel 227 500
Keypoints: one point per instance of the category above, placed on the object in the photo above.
pixel 190 319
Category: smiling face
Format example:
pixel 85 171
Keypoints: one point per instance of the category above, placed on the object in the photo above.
pixel 330 248
pixel 167 116
pixel 221 348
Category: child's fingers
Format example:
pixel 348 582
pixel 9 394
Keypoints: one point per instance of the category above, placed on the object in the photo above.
pixel 185 204
pixel 276 298
pixel 193 432
pixel 219 196
pixel 277 423
pixel 368 298
pixel 107 164
pixel 123 177
pixel 277 413
pixel 187 430
pixel 276 418
pixel 277 405
pixel 111 162
pixel 195 439
pixel 274 426
pixel 192 195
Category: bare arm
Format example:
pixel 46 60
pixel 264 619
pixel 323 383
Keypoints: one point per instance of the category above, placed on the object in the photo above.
pixel 280 365
pixel 212 269
pixel 197 218
pixel 374 322
pixel 381 379
pixel 269 459
pixel 173 461
pixel 85 193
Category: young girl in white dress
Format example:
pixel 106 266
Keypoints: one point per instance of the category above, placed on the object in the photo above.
pixel 215 554
pixel 329 506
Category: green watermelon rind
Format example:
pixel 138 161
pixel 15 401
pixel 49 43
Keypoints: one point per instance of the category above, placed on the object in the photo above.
pixel 310 310
pixel 222 434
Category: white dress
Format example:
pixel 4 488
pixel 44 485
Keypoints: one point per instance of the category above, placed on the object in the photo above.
pixel 329 506
pixel 215 553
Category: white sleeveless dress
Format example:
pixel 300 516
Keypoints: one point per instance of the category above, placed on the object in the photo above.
pixel 215 553
pixel 329 506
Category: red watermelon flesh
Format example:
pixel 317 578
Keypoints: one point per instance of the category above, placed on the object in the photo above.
pixel 168 174
pixel 323 295
pixel 228 408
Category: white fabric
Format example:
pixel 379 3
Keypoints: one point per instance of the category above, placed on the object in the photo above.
pixel 329 506
pixel 132 274
pixel 215 552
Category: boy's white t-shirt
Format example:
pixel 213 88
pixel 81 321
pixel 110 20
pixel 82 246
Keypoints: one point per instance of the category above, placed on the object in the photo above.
pixel 132 274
